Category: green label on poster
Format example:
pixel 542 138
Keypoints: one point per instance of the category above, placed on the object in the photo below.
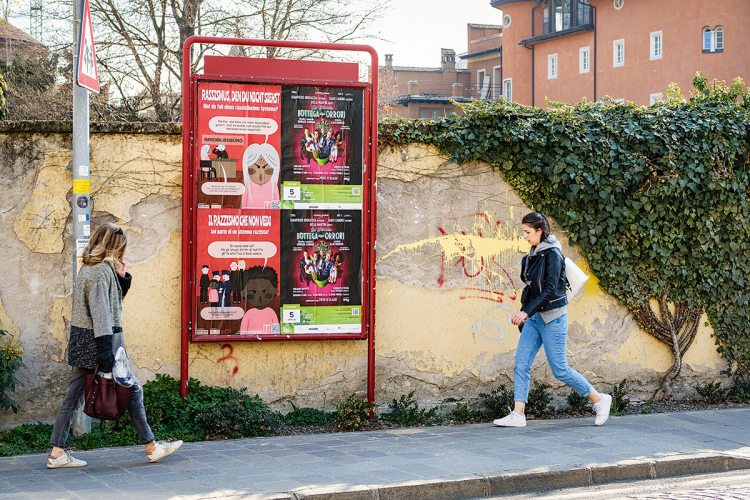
pixel 321 319
pixel 296 195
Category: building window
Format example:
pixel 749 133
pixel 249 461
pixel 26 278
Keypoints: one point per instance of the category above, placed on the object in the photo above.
pixel 618 4
pixel 656 45
pixel 713 40
pixel 618 53
pixel 552 66
pixel 621 100
pixel 584 59
pixel 480 77
pixel 560 15
pixel 506 21
pixel 497 78
pixel 437 113
pixel 653 98
pixel 508 89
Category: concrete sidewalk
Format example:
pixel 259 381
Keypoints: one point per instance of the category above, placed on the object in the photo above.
pixel 467 461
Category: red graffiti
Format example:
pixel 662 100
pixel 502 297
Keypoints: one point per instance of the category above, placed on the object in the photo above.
pixel 492 267
pixel 229 357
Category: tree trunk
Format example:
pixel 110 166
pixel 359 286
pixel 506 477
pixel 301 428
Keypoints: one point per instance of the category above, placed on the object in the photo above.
pixel 676 330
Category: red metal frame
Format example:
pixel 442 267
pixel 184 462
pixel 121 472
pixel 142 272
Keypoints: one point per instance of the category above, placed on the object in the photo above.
pixel 189 83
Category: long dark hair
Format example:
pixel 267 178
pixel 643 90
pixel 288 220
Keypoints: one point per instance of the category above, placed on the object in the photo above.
pixel 537 221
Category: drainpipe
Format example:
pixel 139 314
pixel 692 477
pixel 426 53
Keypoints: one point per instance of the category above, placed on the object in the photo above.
pixel 532 51
pixel 593 7
pixel 500 53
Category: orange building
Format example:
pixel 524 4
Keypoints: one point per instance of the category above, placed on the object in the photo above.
pixel 567 50
pixel 418 92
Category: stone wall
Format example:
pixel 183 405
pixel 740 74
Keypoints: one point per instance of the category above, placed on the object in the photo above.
pixel 448 257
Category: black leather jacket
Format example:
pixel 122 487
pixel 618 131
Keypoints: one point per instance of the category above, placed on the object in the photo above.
pixel 544 275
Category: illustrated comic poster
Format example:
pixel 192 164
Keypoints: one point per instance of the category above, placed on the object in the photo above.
pixel 321 271
pixel 238 267
pixel 238 219
pixel 322 156
pixel 238 141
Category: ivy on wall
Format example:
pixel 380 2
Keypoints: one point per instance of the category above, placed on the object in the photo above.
pixel 658 198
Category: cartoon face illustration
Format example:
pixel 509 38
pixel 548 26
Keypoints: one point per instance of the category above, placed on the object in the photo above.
pixel 204 152
pixel 261 286
pixel 204 269
pixel 259 292
pixel 242 265
pixel 233 266
pixel 221 146
pixel 225 277
pixel 260 172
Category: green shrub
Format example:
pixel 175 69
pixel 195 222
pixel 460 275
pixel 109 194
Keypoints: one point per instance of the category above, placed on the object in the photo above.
pixel 712 392
pixel 352 414
pixel 406 411
pixel 577 403
pixel 540 400
pixel 741 391
pixel 27 438
pixel 237 416
pixel 302 417
pixel 463 412
pixel 498 402
pixel 10 361
pixel 620 399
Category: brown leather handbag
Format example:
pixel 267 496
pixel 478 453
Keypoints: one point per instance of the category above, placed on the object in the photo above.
pixel 105 399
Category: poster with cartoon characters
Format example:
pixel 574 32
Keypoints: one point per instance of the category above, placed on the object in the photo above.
pixel 238 267
pixel 238 142
pixel 263 267
pixel 321 267
pixel 322 156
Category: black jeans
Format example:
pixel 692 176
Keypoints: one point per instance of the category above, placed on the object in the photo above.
pixel 74 399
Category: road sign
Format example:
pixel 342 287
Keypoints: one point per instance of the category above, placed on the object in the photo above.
pixel 86 73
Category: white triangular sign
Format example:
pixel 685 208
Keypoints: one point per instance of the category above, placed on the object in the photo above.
pixel 87 75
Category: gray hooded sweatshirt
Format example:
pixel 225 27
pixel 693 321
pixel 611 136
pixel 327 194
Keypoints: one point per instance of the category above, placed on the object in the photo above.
pixel 550 242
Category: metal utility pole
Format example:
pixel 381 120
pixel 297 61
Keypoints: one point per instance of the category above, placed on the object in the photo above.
pixel 81 201
pixel 36 19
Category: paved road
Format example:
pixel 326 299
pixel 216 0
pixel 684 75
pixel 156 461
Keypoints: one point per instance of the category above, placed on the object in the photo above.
pixel 461 462
pixel 733 485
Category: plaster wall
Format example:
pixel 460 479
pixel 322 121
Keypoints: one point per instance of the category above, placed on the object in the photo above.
pixel 447 283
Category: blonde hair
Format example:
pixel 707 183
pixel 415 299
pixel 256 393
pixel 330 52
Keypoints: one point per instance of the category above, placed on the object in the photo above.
pixel 107 244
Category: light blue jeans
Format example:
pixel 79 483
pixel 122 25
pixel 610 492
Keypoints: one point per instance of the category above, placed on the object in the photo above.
pixel 553 336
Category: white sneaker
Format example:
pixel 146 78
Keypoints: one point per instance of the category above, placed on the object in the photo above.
pixel 163 449
pixel 512 420
pixel 64 460
pixel 602 409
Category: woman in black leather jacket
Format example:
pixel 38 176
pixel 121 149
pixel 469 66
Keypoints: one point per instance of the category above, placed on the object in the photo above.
pixel 543 320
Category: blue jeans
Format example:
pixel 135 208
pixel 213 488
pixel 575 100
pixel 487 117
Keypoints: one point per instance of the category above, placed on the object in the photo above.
pixel 553 336
pixel 74 399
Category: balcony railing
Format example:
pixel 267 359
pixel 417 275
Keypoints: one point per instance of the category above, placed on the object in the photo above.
pixel 428 90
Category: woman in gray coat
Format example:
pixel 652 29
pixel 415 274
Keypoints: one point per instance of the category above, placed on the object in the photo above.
pixel 95 335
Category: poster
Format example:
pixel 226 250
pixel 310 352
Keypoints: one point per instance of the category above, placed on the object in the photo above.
pixel 322 147
pixel 238 264
pixel 321 271
pixel 238 143
pixel 278 210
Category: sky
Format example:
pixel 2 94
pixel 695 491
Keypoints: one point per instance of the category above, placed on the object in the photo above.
pixel 416 30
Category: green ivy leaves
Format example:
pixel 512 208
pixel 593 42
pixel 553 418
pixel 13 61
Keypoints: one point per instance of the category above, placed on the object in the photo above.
pixel 656 197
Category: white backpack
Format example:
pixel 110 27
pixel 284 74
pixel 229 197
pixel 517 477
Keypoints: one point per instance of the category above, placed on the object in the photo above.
pixel 576 278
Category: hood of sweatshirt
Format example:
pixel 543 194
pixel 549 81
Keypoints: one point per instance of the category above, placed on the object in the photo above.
pixel 550 242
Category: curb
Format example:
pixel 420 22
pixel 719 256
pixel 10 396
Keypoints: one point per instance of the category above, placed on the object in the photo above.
pixel 523 482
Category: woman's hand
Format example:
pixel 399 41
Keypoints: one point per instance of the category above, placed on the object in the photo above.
pixel 121 271
pixel 519 318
